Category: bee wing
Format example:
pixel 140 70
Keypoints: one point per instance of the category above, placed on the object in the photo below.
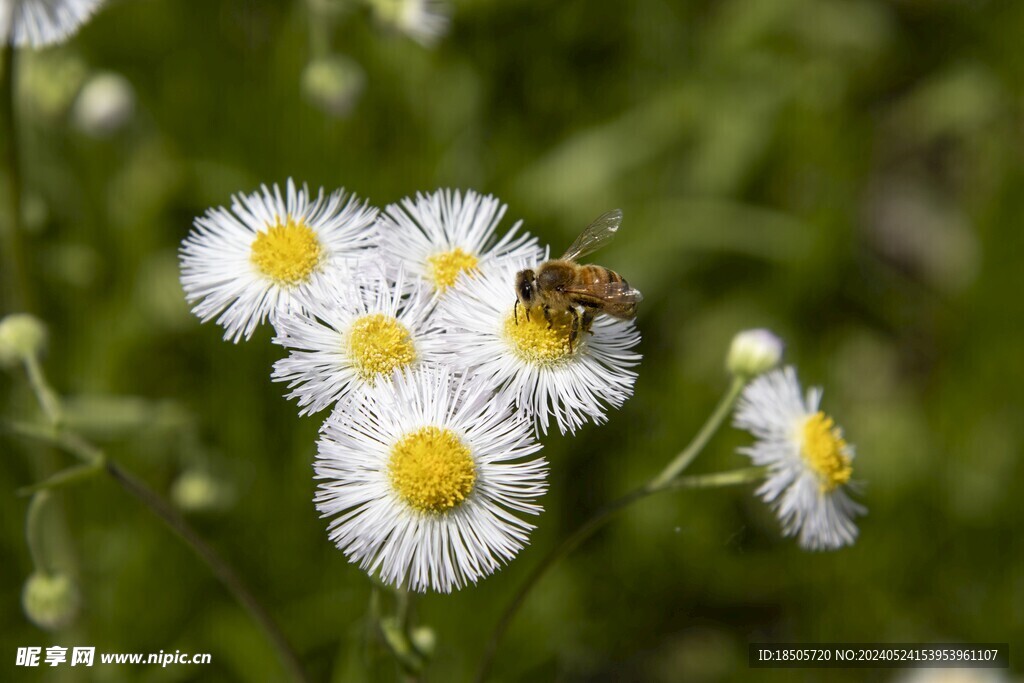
pixel 609 292
pixel 595 235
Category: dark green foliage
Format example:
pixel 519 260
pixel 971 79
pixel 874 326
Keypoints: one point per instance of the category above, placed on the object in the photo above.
pixel 844 172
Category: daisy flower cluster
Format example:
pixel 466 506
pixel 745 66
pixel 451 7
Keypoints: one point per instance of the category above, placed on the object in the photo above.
pixel 400 325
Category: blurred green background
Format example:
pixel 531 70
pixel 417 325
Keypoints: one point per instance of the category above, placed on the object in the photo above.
pixel 845 172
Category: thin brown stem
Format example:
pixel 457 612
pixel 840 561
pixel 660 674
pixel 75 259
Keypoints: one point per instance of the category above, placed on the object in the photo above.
pixel 221 569
pixel 93 458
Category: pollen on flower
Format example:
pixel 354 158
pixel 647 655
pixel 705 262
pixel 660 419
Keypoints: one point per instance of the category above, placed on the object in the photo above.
pixel 446 267
pixel 287 253
pixel 432 470
pixel 379 344
pixel 535 342
pixel 825 450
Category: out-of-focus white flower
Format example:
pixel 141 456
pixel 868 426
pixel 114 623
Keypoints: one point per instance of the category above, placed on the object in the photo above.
pixel 544 374
pixel 105 103
pixel 261 257
pixel 753 352
pixel 423 480
pixel 447 235
pixel 333 83
pixel 38 23
pixel 425 21
pixel 809 462
pixel 353 334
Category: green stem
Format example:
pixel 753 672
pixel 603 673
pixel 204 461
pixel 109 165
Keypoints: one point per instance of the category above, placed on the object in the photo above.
pixel 34 532
pixel 665 480
pixel 551 559
pixel 584 531
pixel 48 399
pixel 15 283
pixel 403 605
pixel 69 441
pixel 395 630
pixel 745 475
pixel 66 477
pixel 321 22
pixel 683 460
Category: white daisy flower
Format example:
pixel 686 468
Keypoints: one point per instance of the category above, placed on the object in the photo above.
pixel 259 258
pixel 354 333
pixel 38 23
pixel 425 21
pixel 544 373
pixel 442 235
pixel 809 463
pixel 424 478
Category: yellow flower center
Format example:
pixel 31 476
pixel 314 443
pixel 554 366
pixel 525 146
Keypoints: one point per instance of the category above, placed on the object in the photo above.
pixel 432 470
pixel 378 345
pixel 287 253
pixel 824 449
pixel 446 267
pixel 535 342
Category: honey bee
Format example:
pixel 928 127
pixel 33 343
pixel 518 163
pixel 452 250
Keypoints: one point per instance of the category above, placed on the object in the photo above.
pixel 583 291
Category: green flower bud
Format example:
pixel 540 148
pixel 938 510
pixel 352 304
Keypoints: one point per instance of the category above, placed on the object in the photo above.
pixel 197 491
pixel 22 335
pixel 424 639
pixel 753 352
pixel 333 84
pixel 50 601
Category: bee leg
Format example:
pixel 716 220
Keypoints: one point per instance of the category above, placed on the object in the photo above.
pixel 574 331
pixel 547 316
pixel 515 311
pixel 588 320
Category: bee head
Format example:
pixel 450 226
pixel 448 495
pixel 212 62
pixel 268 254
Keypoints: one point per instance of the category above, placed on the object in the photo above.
pixel 526 285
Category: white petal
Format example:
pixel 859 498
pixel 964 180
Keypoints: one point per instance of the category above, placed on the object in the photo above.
pixel 379 531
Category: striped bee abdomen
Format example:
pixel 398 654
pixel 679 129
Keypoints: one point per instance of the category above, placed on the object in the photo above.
pixel 596 275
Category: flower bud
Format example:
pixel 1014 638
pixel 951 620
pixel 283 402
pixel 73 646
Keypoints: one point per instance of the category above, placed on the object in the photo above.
pixel 753 352
pixel 105 103
pixel 333 84
pixel 22 335
pixel 196 491
pixel 424 639
pixel 50 601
